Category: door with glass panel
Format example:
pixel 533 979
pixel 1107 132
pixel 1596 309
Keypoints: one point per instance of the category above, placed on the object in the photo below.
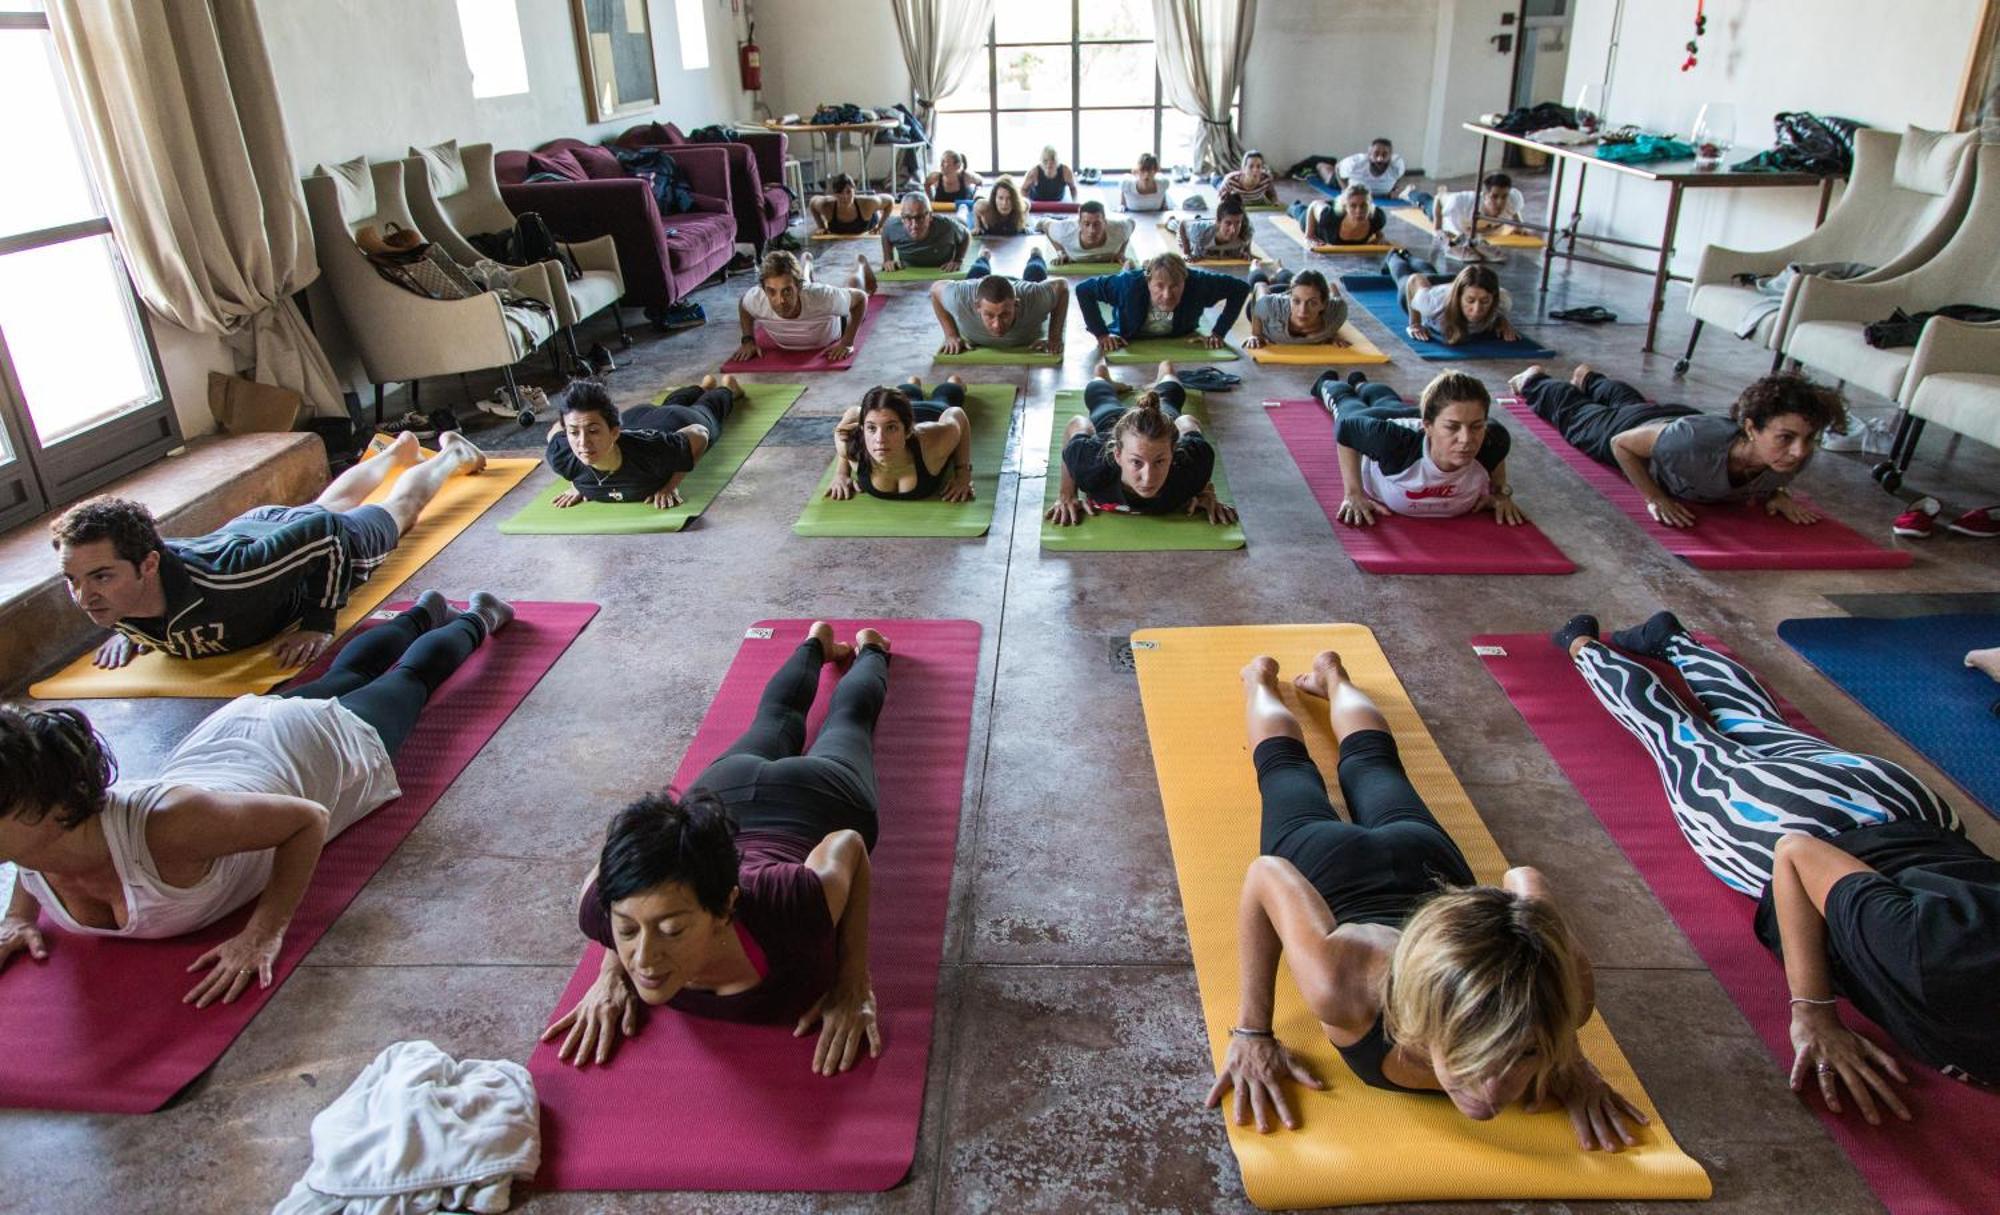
pixel 80 396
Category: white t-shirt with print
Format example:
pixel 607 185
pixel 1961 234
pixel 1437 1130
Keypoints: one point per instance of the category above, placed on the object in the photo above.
pixel 823 310
pixel 1424 490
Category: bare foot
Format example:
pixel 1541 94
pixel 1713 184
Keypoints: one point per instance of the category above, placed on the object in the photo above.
pixel 1263 670
pixel 1581 374
pixel 1325 678
pixel 865 272
pixel 472 461
pixel 1519 382
pixel 708 381
pixel 734 386
pixel 404 451
pixel 955 378
pixel 806 265
pixel 829 649
pixel 1987 661
pixel 1577 643
pixel 1103 371
pixel 1166 371
pixel 868 637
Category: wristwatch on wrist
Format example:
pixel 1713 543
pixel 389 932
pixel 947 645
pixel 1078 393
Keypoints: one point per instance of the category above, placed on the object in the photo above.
pixel 1503 491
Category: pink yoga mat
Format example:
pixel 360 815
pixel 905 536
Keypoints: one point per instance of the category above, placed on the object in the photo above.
pixel 100 1026
pixel 1725 536
pixel 1053 208
pixel 774 359
pixel 1468 544
pixel 1939 1162
pixel 691 1104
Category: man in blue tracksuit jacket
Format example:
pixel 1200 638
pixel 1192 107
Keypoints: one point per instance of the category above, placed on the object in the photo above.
pixel 259 574
pixel 1165 299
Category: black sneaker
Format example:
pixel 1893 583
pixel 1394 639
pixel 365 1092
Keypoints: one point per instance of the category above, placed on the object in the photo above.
pixel 1581 625
pixel 1356 379
pixel 1651 638
pixel 600 360
pixel 684 315
pixel 411 423
pixel 441 420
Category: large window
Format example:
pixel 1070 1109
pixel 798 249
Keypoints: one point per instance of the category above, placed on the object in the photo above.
pixel 80 399
pixel 1075 75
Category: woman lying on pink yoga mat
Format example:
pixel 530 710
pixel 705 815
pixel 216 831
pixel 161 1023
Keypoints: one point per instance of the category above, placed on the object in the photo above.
pixel 1434 460
pixel 239 811
pixel 1675 453
pixel 1865 882
pixel 747 898
pixel 1422 980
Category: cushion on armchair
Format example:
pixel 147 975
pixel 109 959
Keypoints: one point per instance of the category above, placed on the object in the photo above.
pixel 562 163
pixel 1925 159
pixel 444 167
pixel 599 163
pixel 354 186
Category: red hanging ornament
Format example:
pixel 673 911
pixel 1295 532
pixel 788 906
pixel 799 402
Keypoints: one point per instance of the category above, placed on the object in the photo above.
pixel 1700 28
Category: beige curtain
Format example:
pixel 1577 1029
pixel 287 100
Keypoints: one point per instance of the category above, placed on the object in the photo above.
pixel 1202 46
pixel 180 114
pixel 941 39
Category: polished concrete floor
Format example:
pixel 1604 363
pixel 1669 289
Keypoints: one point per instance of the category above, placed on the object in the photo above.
pixel 1070 1062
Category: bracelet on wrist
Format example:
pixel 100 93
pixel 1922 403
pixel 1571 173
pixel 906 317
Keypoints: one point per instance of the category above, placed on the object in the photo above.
pixel 1242 1031
pixel 1829 1002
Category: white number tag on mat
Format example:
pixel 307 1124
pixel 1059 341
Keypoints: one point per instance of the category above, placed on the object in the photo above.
pixel 1145 645
pixel 1490 651
pixel 757 634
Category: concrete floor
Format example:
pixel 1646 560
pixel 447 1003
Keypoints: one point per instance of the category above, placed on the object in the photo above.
pixel 1070 1062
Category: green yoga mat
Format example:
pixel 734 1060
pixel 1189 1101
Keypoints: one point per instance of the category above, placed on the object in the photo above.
pixel 1112 532
pixel 991 407
pixel 916 274
pixel 1173 350
pixel 1088 269
pixel 998 356
pixel 747 425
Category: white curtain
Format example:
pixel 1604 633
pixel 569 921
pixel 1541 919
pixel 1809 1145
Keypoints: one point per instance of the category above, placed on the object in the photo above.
pixel 1202 46
pixel 941 41
pixel 180 115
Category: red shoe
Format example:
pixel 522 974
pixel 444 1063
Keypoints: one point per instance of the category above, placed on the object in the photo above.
pixel 1980 524
pixel 1920 520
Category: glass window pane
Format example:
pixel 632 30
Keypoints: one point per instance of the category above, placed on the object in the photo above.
pixel 21 6
pixel 1113 139
pixel 66 311
pixel 1034 77
pixel 1176 137
pixel 1031 21
pixel 1024 135
pixel 491 31
pixel 975 92
pixel 49 186
pixel 692 28
pixel 1116 75
pixel 1117 19
pixel 970 135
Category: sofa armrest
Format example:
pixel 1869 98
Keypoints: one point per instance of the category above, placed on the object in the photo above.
pixel 1720 265
pixel 621 208
pixel 538 282
pixel 1826 299
pixel 1952 346
pixel 706 168
pixel 769 148
pixel 600 253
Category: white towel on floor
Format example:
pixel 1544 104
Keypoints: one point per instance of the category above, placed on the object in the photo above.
pixel 419 1131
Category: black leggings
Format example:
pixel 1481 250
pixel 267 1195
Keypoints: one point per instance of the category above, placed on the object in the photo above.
pixel 769 786
pixel 691 406
pixel 387 674
pixel 1376 868
pixel 1101 398
pixel 1400 266
pixel 931 408
pixel 1591 416
pixel 1374 400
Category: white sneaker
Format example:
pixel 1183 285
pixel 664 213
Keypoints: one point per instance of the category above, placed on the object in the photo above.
pixel 1871 436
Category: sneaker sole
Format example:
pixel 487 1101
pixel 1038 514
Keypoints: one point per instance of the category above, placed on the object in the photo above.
pixel 1976 535
pixel 1911 533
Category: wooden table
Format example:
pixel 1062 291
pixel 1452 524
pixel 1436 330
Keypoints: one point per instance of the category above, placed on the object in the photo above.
pixel 823 131
pixel 1679 176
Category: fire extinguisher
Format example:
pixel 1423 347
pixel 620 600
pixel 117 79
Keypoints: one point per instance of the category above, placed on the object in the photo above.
pixel 751 62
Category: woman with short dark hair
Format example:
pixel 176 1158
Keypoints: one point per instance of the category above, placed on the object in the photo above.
pixel 642 454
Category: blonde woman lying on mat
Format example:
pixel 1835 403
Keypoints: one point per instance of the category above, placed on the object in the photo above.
pixel 1435 460
pixel 902 446
pixel 1354 220
pixel 842 212
pixel 1147 458
pixel 643 455
pixel 1049 180
pixel 789 311
pixel 1294 310
pixel 1422 980
pixel 241 807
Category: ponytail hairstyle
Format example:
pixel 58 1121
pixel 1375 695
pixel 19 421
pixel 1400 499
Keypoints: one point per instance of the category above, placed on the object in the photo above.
pixel 889 400
pixel 1480 277
pixel 52 762
pixel 1145 419
pixel 1449 388
pixel 1148 161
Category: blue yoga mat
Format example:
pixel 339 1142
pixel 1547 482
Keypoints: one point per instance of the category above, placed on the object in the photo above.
pixel 1387 202
pixel 1911 674
pixel 1377 293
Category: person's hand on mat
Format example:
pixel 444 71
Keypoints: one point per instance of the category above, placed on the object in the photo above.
pixel 1822 1045
pixel 1109 342
pixel 300 648
pixel 950 267
pixel 837 352
pixel 567 499
pixel 1504 511
pixel 1211 340
pixel 1790 508
pixel 17 935
pixel 1068 512
pixel 1358 510
pixel 846 1020
pixel 842 488
pixel 1670 513
pixel 665 498
pixel 117 651
pixel 747 351
pixel 1506 332
pixel 234 962
pixel 1599 1114
pixel 591 1028
pixel 1048 345
pixel 1253 342
pixel 960 489
pixel 1420 333
pixel 1220 513
pixel 1257 1069
pixel 1341 343
pixel 956 344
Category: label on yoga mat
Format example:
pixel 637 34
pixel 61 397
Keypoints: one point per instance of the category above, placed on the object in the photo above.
pixel 757 634
pixel 1490 651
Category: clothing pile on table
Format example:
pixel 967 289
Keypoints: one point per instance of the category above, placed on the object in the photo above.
pixel 1538 117
pixel 1772 288
pixel 1807 143
pixel 1902 329
pixel 1642 148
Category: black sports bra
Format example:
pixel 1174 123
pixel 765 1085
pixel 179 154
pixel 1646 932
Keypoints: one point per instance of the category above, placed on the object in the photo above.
pixel 847 227
pixel 1048 189
pixel 1365 1058
pixel 962 194
pixel 928 483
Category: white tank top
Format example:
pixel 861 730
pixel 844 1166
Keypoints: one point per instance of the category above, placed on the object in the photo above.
pixel 314 749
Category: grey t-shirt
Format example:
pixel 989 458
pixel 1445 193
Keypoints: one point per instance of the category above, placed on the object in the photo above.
pixel 1274 312
pixel 1036 300
pixel 940 241
pixel 1691 461
pixel 1202 242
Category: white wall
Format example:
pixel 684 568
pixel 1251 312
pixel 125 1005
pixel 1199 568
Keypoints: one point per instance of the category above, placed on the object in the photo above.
pixel 1328 77
pixel 1470 77
pixel 829 51
pixel 1827 56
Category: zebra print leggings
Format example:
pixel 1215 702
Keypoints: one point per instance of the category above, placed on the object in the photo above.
pixel 1739 783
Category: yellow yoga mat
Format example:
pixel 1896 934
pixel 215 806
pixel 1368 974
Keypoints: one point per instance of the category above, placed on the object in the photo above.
pixel 1416 217
pixel 1355 1144
pixel 1358 351
pixel 253 671
pixel 1290 227
pixel 1257 254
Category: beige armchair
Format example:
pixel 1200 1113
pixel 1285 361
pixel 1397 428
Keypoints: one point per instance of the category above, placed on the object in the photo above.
pixel 1824 331
pixel 400 335
pixel 452 192
pixel 1954 380
pixel 1905 198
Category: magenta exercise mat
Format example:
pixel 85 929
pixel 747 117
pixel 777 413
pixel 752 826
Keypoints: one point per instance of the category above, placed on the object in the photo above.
pixel 1939 1162
pixel 692 1104
pixel 771 358
pixel 1468 544
pixel 100 1025
pixel 1725 537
